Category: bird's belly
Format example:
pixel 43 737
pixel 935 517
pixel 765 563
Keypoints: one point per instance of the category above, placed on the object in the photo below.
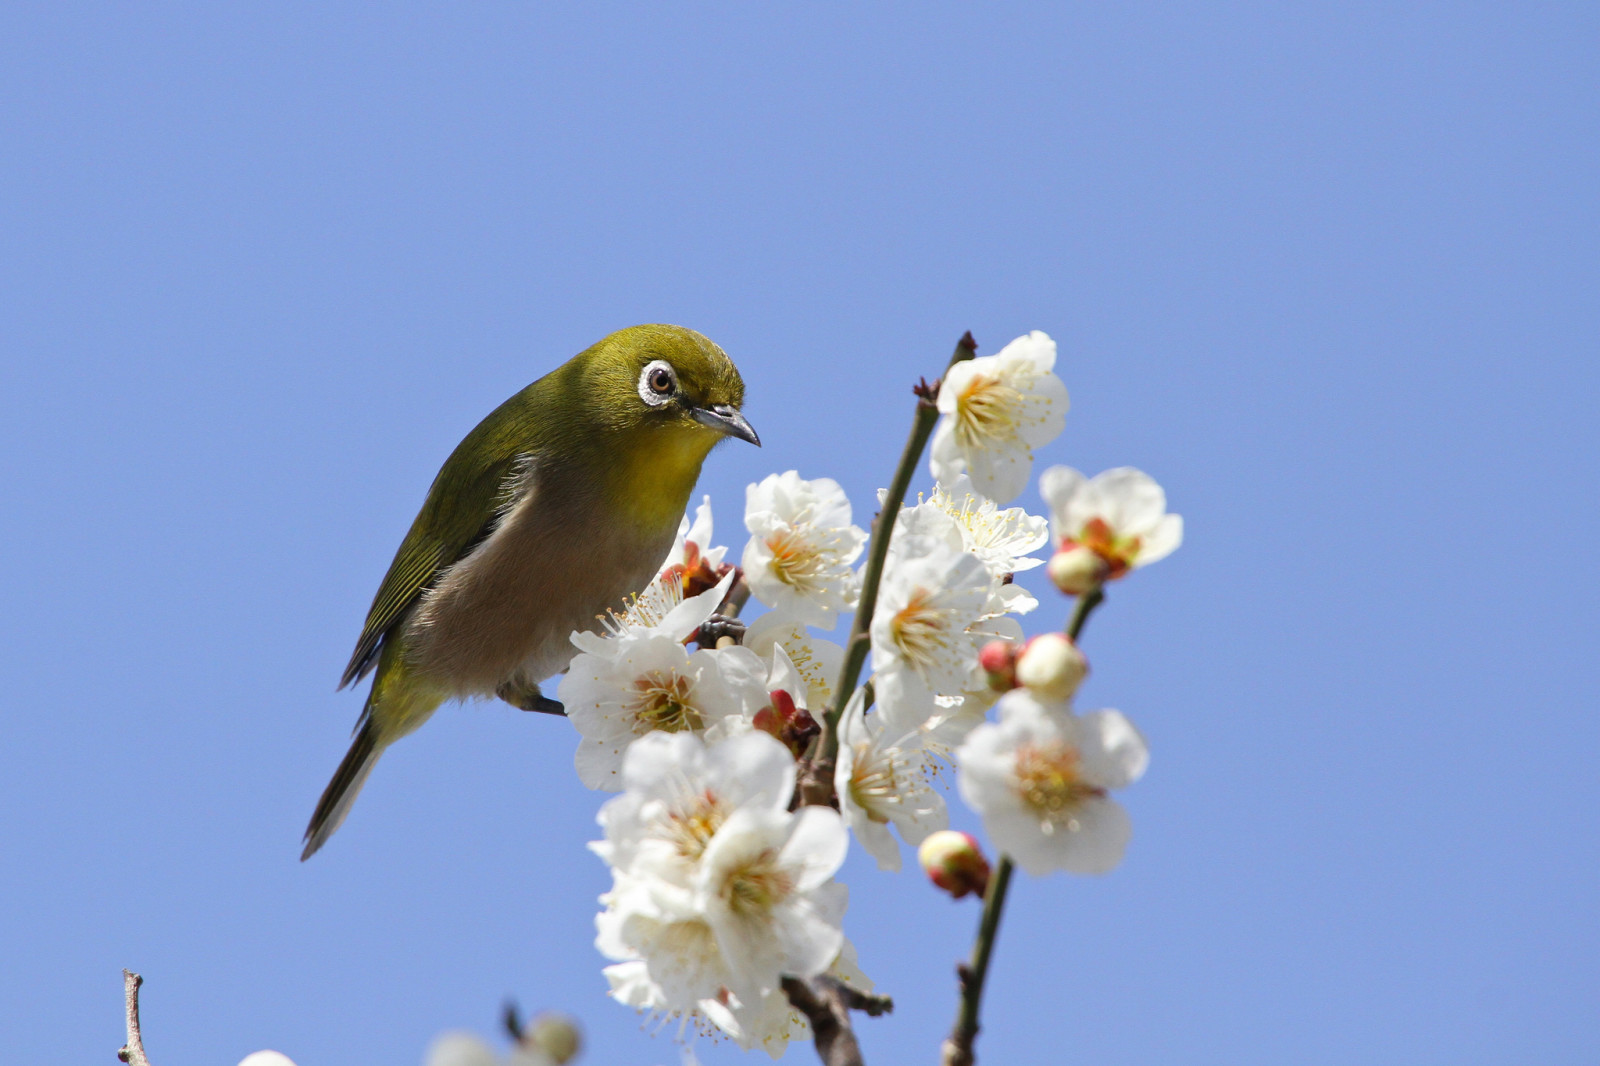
pixel 508 610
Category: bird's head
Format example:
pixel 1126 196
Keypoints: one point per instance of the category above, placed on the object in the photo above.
pixel 672 382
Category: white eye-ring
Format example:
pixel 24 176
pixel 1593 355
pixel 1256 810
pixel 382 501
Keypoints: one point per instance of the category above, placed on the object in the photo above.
pixel 657 383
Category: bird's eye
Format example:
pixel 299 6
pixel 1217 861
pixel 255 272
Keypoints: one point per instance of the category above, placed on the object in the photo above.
pixel 658 383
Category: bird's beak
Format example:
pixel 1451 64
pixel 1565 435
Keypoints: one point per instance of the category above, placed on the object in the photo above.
pixel 725 419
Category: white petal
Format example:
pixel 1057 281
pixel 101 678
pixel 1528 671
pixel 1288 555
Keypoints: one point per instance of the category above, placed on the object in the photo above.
pixel 1132 500
pixel 1114 753
pixel 1161 541
pixel 816 846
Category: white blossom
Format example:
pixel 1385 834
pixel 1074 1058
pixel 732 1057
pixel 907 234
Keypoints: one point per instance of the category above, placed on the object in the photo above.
pixel 639 682
pixel 678 792
pixel 928 623
pixel 1040 778
pixel 881 780
pixel 1121 515
pixel 819 661
pixel 267 1058
pixel 801 547
pixel 1004 538
pixel 997 409
pixel 718 889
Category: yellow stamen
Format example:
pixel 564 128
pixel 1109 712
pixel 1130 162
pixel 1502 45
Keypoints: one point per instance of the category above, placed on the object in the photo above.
pixel 663 702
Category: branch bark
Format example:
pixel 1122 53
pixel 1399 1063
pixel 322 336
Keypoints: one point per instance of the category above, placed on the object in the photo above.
pixel 827 1002
pixel 133 1051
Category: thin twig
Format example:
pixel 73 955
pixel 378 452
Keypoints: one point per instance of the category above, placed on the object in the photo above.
pixel 133 1051
pixel 827 1002
pixel 816 779
pixel 957 1048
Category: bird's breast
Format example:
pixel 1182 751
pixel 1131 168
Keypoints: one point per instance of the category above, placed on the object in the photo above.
pixel 509 608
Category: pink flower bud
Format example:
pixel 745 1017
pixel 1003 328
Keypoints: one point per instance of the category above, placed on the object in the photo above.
pixel 1076 569
pixel 999 660
pixel 955 863
pixel 1051 666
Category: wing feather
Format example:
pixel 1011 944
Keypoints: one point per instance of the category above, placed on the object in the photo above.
pixel 461 511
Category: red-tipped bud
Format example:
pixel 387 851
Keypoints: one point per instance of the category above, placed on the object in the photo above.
pixel 1051 666
pixel 789 723
pixel 999 660
pixel 955 863
pixel 1076 569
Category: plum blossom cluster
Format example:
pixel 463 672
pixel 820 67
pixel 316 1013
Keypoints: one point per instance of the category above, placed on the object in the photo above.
pixel 719 890
pixel 723 883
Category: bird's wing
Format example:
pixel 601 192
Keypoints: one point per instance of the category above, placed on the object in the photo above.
pixel 461 511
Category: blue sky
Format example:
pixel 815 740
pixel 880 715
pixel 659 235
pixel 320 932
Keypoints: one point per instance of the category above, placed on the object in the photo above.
pixel 1328 272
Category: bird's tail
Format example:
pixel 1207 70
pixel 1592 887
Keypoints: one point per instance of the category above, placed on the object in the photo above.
pixel 342 790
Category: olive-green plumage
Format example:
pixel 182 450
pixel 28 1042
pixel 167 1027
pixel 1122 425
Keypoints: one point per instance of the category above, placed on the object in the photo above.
pixel 556 507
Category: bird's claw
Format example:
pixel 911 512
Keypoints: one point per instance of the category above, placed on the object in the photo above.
pixel 718 626
pixel 529 699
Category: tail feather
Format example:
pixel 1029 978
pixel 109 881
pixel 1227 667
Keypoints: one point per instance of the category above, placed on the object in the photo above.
pixel 343 789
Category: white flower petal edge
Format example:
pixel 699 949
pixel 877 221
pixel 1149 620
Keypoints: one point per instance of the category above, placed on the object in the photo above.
pixel 1040 777
pixel 997 409
pixel 699 534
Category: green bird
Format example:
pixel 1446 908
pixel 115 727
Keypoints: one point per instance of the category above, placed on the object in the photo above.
pixel 558 506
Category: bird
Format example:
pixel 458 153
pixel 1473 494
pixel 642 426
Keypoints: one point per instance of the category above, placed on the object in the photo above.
pixel 553 510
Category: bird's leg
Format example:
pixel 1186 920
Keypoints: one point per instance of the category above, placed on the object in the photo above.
pixel 718 626
pixel 526 697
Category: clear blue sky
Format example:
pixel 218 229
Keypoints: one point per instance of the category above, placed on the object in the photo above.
pixel 1331 273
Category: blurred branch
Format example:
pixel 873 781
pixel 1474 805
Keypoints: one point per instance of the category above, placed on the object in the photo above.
pixel 827 1002
pixel 133 1051
pixel 816 777
pixel 957 1048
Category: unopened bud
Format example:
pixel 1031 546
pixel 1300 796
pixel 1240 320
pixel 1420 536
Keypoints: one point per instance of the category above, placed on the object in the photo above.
pixel 954 862
pixel 999 660
pixel 1076 569
pixel 787 721
pixel 1051 666
pixel 552 1038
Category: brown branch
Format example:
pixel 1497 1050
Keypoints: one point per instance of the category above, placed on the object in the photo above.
pixel 133 1051
pixel 827 1002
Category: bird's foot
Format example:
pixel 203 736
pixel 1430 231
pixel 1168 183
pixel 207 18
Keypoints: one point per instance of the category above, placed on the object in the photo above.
pixel 716 628
pixel 529 698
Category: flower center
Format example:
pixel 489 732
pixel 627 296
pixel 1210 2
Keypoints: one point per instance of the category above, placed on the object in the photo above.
pixel 796 561
pixel 879 780
pixel 690 827
pixel 1118 552
pixel 986 410
pixel 921 628
pixel 662 701
pixel 758 885
pixel 1049 783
